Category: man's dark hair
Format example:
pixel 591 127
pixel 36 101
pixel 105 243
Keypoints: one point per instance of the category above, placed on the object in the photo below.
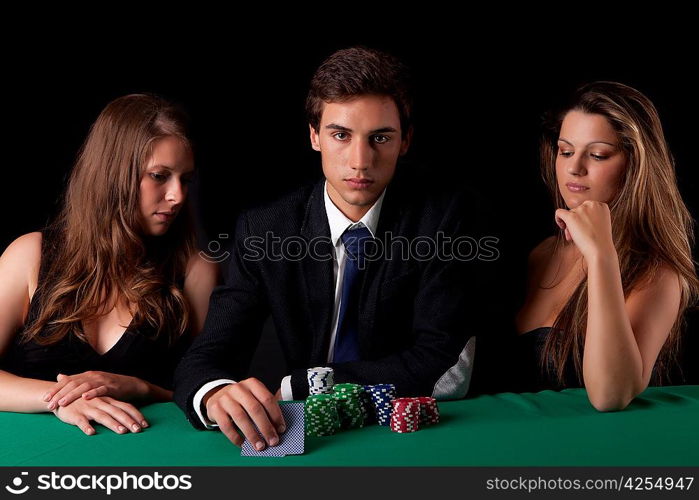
pixel 356 71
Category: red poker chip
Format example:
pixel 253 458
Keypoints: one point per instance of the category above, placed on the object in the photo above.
pixel 429 411
pixel 409 414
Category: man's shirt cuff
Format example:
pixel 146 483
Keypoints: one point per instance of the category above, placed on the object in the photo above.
pixel 287 393
pixel 196 402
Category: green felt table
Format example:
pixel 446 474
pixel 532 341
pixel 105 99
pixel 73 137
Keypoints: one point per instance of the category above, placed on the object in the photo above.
pixel 661 428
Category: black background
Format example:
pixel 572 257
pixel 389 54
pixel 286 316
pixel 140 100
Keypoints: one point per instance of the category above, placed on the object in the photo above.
pixel 480 93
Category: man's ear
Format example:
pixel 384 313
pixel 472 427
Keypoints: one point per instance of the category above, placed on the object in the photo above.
pixel 405 143
pixel 315 140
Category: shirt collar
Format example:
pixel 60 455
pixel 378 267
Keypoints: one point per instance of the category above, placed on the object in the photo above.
pixel 339 223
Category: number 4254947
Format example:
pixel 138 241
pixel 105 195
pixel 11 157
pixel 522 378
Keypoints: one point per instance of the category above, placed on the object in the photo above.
pixel 660 483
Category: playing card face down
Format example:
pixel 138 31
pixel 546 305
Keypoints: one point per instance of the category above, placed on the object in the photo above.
pixel 290 443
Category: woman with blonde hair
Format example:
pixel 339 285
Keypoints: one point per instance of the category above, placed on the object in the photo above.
pixel 96 308
pixel 607 294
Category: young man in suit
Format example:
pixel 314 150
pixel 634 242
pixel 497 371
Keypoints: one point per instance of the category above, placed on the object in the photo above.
pixel 367 283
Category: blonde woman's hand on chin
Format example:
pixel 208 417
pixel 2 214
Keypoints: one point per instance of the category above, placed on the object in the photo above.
pixel 589 227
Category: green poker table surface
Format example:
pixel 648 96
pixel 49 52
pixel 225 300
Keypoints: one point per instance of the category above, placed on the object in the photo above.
pixel 660 428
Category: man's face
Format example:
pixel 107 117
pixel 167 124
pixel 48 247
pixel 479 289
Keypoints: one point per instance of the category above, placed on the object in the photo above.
pixel 359 141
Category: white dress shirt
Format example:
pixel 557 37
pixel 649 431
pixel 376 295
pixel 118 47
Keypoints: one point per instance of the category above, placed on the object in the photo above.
pixel 338 223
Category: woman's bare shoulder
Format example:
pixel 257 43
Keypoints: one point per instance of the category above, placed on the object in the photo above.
pixel 22 259
pixel 200 272
pixel 24 253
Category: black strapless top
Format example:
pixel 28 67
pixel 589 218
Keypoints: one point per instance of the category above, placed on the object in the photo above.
pixel 529 375
pixel 136 353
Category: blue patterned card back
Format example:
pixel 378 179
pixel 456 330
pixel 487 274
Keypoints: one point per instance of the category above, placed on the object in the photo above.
pixel 291 442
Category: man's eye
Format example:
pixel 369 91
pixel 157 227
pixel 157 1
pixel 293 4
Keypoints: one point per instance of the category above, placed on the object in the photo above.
pixel 380 139
pixel 340 136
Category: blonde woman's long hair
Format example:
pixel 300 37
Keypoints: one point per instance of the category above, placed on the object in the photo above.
pixel 651 225
pixel 98 249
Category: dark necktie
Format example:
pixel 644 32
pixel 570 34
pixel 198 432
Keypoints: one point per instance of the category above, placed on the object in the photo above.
pixel 347 336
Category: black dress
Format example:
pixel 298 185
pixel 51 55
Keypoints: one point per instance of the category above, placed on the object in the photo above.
pixel 528 374
pixel 136 353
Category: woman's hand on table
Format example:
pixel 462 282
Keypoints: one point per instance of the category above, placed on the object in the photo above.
pixel 116 415
pixel 92 384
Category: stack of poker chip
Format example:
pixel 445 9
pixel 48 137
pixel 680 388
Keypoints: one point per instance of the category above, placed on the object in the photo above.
pixel 349 405
pixel 406 415
pixel 429 412
pixel 381 396
pixel 320 380
pixel 367 407
pixel 321 416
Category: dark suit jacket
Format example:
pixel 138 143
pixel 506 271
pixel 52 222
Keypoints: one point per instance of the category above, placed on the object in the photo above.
pixel 415 317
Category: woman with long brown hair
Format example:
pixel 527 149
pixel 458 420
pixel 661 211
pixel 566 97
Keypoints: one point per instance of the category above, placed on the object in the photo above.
pixel 607 294
pixel 96 308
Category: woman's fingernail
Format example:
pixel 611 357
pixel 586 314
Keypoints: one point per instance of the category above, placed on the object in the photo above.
pixel 282 429
pixel 62 402
pixel 52 405
pixel 46 397
pixel 144 424
pixel 121 428
pixel 135 427
pixel 259 446
pixel 274 441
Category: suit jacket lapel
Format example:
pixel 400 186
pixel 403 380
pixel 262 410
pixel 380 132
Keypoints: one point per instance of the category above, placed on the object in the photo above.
pixel 318 276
